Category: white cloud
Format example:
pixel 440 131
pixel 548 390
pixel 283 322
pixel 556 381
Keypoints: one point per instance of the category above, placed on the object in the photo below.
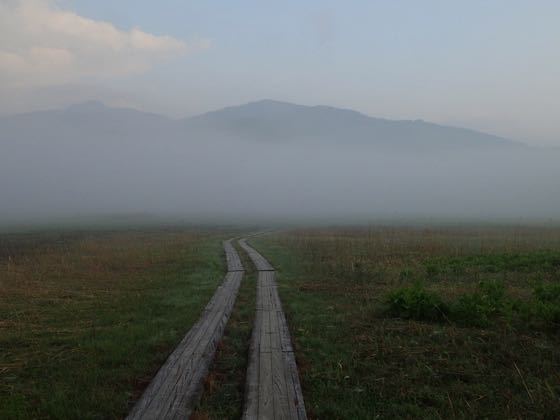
pixel 41 44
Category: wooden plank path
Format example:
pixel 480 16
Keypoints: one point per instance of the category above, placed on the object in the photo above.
pixel 273 390
pixel 178 384
pixel 232 257
pixel 261 264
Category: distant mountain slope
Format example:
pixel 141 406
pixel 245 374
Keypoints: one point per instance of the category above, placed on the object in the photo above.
pixel 265 159
pixel 273 120
pixel 89 120
pixel 262 121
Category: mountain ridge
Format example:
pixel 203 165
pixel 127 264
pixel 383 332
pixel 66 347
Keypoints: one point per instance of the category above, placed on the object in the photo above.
pixel 325 121
pixel 263 120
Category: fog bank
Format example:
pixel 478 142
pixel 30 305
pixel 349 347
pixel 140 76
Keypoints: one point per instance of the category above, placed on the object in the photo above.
pixel 142 165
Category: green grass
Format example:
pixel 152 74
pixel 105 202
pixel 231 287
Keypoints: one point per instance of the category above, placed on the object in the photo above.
pixel 415 302
pixel 359 359
pixel 545 261
pixel 86 319
pixel 386 322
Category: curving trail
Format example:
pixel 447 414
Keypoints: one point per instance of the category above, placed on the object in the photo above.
pixel 178 384
pixel 273 390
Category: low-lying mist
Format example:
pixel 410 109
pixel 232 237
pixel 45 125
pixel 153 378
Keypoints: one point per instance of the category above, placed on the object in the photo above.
pixel 228 177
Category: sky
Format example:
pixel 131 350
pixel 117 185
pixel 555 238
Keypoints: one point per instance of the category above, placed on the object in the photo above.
pixel 491 65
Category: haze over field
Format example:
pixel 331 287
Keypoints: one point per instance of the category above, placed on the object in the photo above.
pixel 266 159
pixel 417 82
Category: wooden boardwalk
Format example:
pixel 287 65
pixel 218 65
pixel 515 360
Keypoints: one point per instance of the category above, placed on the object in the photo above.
pixel 178 384
pixel 273 389
pixel 232 257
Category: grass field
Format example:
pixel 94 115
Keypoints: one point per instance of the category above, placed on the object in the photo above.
pixel 87 318
pixel 386 322
pixel 423 323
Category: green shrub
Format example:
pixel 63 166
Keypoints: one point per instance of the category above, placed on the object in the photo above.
pixel 547 293
pixel 544 310
pixel 493 293
pixel 477 308
pixel 416 303
pixel 547 313
pixel 470 310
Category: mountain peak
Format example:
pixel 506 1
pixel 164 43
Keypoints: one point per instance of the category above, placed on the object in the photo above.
pixel 268 102
pixel 268 105
pixel 271 119
pixel 88 106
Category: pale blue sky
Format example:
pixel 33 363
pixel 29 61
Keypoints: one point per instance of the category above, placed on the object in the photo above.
pixel 492 65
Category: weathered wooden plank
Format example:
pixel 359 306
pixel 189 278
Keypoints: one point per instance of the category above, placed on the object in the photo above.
pixel 273 390
pixel 279 383
pixel 275 339
pixel 232 257
pixel 261 264
pixel 178 383
pixel 264 338
pixel 266 407
pixel 177 377
pixel 285 333
pixel 202 353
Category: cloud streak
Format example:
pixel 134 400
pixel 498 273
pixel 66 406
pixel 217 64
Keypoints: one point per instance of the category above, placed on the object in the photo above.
pixel 41 45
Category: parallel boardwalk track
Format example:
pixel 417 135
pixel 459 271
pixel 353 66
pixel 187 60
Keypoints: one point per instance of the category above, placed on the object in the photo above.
pixel 179 382
pixel 273 390
pixel 232 257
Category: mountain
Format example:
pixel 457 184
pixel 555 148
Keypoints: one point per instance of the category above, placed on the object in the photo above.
pixel 263 121
pixel 272 120
pixel 87 121
pixel 264 159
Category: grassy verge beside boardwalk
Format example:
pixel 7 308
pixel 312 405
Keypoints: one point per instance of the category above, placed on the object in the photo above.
pixel 359 360
pixel 86 319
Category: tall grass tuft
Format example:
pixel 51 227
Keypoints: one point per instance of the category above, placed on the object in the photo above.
pixel 416 303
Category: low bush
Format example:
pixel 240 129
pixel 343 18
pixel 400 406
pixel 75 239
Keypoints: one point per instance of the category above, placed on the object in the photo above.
pixel 471 310
pixel 547 313
pixel 477 308
pixel 547 293
pixel 416 303
pixel 544 310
